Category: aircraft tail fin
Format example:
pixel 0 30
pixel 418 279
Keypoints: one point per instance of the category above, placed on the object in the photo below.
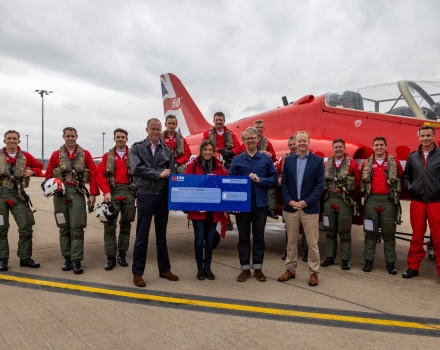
pixel 177 101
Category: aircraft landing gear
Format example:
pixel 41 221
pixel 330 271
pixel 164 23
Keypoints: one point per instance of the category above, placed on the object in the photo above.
pixel 430 248
pixel 217 236
pixel 230 224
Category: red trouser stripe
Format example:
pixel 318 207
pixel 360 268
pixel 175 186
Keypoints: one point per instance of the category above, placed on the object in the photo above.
pixel 419 213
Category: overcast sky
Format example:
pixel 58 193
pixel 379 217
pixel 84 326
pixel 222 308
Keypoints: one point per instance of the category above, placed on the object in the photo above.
pixel 103 59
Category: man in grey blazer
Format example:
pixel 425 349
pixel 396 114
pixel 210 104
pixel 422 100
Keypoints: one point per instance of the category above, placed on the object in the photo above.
pixel 302 184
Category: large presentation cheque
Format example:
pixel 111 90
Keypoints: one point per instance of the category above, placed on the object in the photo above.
pixel 209 193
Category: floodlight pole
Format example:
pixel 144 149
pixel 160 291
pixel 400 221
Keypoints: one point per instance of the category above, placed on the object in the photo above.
pixel 42 92
pixel 27 143
pixel 103 143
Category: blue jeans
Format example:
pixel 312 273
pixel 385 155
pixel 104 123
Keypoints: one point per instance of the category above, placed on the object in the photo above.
pixel 204 230
pixel 253 222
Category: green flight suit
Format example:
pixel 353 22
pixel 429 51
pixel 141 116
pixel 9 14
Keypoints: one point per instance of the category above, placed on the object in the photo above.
pixel 181 169
pixel 337 222
pixel 24 218
pixel 387 221
pixel 71 219
pixel 127 211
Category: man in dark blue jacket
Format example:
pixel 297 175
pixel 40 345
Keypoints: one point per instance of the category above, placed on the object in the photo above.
pixel 302 183
pixel 259 167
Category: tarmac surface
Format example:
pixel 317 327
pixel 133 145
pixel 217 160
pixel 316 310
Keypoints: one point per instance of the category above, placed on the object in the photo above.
pixel 48 308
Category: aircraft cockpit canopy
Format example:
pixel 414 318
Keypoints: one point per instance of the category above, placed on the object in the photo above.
pixel 407 98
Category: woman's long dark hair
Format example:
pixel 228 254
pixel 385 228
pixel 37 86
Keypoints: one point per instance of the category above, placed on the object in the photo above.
pixel 204 144
pixel 207 165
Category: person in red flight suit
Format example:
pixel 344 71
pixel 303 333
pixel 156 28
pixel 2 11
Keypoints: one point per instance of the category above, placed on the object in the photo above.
pixel 116 181
pixel 225 141
pixel 279 164
pixel 205 223
pixel 75 167
pixel 16 168
pixel 422 179
pixel 175 141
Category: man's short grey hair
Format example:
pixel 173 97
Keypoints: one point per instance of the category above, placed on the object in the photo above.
pixel 249 130
pixel 153 119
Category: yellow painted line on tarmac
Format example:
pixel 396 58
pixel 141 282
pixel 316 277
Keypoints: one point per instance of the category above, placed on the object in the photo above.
pixel 224 306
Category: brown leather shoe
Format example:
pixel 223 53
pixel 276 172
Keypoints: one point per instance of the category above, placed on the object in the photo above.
pixel 287 276
pixel 139 281
pixel 168 275
pixel 259 275
pixel 313 281
pixel 244 276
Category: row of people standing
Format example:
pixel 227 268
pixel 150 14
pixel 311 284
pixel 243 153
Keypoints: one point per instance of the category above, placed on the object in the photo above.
pixel 152 164
pixel 117 175
pixel 380 180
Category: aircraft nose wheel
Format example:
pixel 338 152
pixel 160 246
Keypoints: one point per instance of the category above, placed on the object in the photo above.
pixel 230 225
pixel 430 248
pixel 217 236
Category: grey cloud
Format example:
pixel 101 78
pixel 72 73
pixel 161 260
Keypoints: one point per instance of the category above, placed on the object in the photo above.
pixel 260 106
pixel 238 57
pixel 219 107
pixel 72 107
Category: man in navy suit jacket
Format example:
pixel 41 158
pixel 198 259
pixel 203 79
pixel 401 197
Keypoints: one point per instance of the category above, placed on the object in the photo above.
pixel 302 184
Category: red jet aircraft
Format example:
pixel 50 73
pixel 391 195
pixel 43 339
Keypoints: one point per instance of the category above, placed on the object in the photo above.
pixel 357 115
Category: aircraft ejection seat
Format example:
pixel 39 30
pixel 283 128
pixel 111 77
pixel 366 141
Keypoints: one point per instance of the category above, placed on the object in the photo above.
pixel 402 110
pixel 333 100
pixel 353 100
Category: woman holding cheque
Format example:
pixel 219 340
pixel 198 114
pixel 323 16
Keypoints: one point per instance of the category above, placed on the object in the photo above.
pixel 205 223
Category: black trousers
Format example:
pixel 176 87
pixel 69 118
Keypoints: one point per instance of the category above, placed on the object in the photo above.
pixel 147 207
pixel 254 221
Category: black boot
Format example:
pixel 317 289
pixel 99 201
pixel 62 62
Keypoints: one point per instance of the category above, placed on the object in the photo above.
pixel 345 265
pixel 328 262
pixel 3 264
pixel 306 256
pixel 200 273
pixel 368 266
pixel 284 256
pixel 410 273
pixel 391 268
pixel 208 273
pixel 67 264
pixel 77 269
pixel 272 215
pixel 29 263
pixel 121 259
pixel 111 263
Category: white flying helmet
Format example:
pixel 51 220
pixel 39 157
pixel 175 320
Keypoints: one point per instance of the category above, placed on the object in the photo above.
pixel 106 212
pixel 53 186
